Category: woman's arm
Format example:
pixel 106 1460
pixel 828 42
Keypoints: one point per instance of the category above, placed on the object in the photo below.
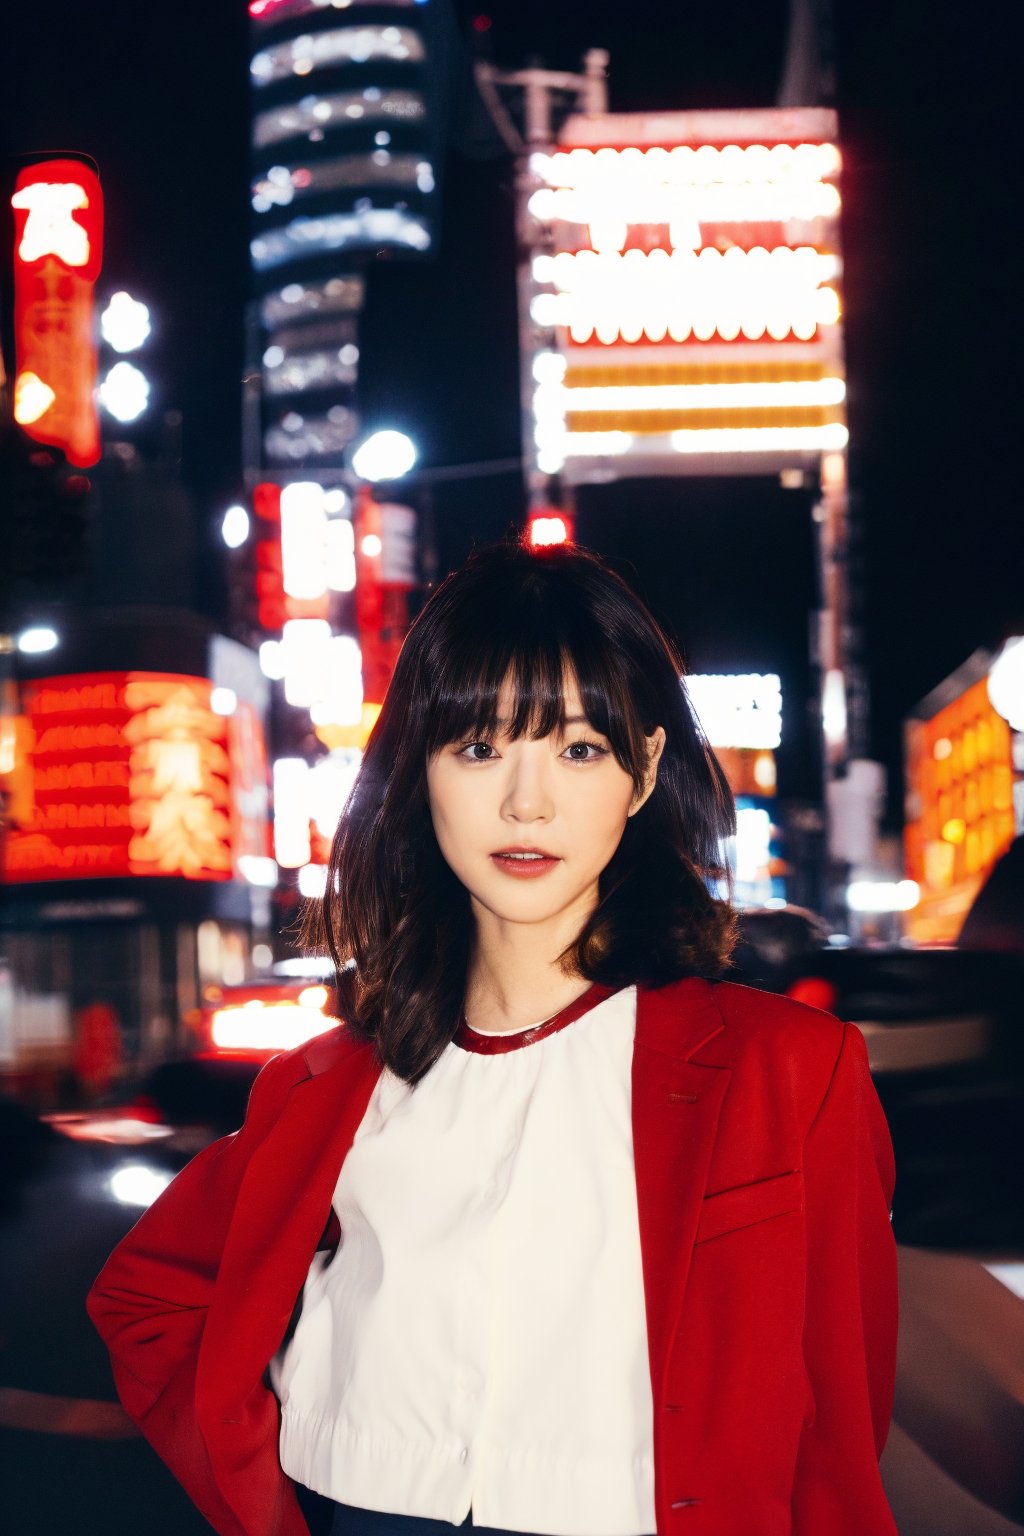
pixel 852 1307
pixel 150 1300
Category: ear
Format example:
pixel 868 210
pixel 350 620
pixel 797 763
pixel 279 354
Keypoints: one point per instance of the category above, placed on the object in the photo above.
pixel 655 747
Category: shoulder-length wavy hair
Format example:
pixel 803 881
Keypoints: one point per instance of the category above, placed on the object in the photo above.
pixel 396 920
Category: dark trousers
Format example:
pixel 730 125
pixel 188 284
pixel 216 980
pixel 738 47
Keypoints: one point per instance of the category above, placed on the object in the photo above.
pixel 367 1522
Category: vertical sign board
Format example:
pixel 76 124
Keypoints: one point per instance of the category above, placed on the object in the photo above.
pixel 385 553
pixel 684 304
pixel 58 250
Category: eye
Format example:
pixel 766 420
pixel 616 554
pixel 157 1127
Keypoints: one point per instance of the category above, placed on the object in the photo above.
pixel 476 752
pixel 585 751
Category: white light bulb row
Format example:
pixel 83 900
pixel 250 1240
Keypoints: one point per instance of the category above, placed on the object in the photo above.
pixel 610 210
pixel 654 295
pixel 701 164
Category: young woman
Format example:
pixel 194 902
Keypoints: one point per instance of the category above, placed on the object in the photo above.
pixel 558 1233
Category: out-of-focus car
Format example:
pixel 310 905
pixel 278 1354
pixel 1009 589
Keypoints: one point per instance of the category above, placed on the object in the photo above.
pixel 944 1030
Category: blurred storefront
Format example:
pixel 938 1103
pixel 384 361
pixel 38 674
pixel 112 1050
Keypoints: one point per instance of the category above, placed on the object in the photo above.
pixel 964 796
pixel 135 858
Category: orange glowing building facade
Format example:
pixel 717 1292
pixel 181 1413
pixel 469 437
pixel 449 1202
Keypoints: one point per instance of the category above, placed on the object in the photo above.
pixel 960 803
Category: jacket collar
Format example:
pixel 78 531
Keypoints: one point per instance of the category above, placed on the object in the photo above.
pixel 676 1021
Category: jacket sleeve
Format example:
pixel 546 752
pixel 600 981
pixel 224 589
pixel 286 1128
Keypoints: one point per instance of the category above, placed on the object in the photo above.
pixel 150 1300
pixel 850 1322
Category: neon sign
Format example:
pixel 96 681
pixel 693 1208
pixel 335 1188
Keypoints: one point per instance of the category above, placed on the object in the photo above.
pixel 687 273
pixel 126 773
pixel 58 213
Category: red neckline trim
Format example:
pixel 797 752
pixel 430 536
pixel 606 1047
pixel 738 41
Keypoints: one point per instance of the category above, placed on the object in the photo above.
pixel 482 1044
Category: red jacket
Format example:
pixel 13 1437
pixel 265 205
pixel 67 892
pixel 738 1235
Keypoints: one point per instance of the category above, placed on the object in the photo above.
pixel 764 1176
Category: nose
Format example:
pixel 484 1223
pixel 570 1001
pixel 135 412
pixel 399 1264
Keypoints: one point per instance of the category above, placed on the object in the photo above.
pixel 528 794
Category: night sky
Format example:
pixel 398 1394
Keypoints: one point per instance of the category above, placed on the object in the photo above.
pixel 158 94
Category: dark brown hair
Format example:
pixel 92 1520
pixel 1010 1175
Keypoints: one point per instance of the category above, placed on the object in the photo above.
pixel 396 920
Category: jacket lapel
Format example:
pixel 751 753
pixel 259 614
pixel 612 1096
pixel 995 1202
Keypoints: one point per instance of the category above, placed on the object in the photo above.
pixel 680 1074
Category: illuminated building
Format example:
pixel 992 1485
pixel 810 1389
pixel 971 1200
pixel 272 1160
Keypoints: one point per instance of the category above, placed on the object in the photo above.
pixel 347 110
pixel 964 766
pixel 343 167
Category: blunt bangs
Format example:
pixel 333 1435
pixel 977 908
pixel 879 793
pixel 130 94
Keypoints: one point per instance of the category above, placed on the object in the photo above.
pixel 530 639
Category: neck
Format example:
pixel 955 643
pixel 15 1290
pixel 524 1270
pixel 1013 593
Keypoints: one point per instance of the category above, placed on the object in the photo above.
pixel 514 977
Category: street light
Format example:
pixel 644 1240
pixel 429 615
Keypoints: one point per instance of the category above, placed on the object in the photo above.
pixel 124 392
pixel 37 639
pixel 385 455
pixel 125 323
pixel 235 527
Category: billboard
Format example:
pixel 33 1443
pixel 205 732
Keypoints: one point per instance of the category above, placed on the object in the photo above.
pixel 58 250
pixel 684 299
pixel 136 773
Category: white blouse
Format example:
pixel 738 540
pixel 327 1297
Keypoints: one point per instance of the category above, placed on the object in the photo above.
pixel 479 1339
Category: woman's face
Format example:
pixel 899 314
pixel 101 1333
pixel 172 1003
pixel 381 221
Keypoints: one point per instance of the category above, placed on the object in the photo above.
pixel 528 826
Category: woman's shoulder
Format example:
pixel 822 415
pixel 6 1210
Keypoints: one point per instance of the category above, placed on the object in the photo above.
pixel 330 1049
pixel 756 1009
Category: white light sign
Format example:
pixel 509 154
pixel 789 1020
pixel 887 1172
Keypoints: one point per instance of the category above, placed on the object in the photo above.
pixel 738 710
pixel 304 540
pixel 305 659
pixel 753 844
pixel 340 555
pixel 291 812
pixel 338 696
pixel 687 268
pixel 882 895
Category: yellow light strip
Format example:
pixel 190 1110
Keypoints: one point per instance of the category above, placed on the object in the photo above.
pixel 714 420
pixel 692 397
pixel 785 370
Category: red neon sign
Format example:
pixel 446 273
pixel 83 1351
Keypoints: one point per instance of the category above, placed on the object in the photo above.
pixel 58 250
pixel 127 773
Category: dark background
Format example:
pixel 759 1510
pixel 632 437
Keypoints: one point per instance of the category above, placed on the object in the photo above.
pixel 158 94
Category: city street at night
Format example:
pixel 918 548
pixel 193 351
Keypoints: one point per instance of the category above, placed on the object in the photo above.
pixel 510 574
